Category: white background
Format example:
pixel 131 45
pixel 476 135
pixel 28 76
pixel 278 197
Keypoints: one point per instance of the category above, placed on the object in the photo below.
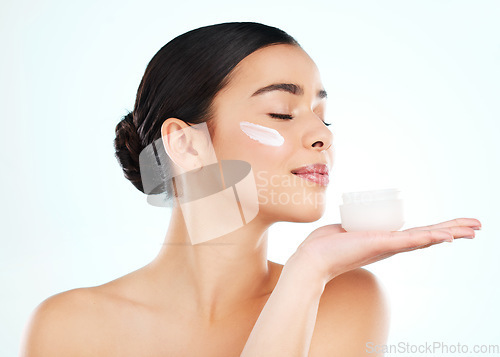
pixel 414 90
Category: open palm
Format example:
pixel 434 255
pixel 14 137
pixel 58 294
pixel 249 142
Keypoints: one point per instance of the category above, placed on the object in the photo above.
pixel 330 250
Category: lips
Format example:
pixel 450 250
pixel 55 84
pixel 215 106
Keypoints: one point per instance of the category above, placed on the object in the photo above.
pixel 317 173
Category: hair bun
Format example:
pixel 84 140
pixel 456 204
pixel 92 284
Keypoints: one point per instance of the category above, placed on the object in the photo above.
pixel 128 146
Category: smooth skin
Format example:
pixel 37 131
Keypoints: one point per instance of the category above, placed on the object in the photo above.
pixel 224 298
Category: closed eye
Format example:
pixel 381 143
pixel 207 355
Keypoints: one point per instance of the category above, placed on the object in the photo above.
pixel 288 117
pixel 280 116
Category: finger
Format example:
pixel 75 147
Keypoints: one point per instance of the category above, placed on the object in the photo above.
pixel 425 246
pixel 387 255
pixel 467 222
pixel 390 254
pixel 400 241
pixel 412 241
pixel 460 232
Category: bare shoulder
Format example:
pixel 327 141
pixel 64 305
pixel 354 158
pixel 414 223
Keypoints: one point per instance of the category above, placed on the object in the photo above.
pixel 355 294
pixel 358 282
pixel 67 324
pixel 53 322
pixel 353 311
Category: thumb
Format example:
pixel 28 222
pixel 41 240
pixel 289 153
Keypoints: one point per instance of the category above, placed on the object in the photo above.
pixel 336 228
pixel 331 229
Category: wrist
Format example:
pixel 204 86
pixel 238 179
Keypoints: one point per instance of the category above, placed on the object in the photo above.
pixel 304 274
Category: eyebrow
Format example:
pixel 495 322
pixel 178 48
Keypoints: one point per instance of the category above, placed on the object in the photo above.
pixel 287 87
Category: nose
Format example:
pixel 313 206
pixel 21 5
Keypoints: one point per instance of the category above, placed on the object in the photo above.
pixel 317 135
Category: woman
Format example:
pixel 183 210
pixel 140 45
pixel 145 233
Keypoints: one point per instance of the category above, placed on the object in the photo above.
pixel 233 115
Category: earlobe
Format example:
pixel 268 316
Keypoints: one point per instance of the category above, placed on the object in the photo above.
pixel 178 144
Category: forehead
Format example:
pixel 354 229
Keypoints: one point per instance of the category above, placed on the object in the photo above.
pixel 274 64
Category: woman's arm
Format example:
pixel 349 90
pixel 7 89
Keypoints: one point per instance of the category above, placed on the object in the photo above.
pixel 286 324
pixel 346 314
pixel 353 315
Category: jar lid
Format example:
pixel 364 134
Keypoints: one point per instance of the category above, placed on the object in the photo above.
pixel 370 196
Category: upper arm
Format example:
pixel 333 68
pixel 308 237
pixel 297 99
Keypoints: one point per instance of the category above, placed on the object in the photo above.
pixel 353 312
pixel 57 327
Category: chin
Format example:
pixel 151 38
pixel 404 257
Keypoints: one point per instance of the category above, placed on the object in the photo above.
pixel 293 205
pixel 298 214
pixel 307 215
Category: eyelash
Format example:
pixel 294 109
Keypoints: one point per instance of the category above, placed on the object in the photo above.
pixel 288 117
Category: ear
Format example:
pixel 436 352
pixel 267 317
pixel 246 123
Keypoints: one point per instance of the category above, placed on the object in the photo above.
pixel 178 141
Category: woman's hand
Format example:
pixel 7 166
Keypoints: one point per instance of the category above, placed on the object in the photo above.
pixel 330 250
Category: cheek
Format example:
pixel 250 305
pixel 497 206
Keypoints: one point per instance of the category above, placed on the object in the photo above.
pixel 263 142
pixel 262 150
pixel 262 134
pixel 266 158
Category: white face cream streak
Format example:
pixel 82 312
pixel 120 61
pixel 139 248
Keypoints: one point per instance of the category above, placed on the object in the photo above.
pixel 263 135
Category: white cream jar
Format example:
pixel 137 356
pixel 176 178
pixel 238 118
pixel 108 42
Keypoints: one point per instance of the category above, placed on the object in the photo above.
pixel 372 210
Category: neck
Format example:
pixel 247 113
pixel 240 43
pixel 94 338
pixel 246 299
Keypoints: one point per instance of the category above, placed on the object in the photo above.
pixel 212 277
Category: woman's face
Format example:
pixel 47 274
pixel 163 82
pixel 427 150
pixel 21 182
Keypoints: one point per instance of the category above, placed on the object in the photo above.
pixel 283 195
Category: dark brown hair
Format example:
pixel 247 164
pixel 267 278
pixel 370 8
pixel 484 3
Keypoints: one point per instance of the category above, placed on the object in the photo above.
pixel 181 81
